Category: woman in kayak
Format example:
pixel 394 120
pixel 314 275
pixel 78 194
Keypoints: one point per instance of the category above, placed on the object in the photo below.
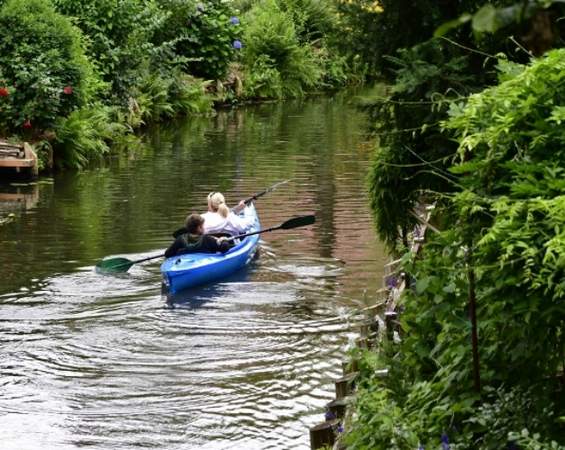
pixel 219 219
pixel 195 241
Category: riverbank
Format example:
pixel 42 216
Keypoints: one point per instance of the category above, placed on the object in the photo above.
pixel 379 332
pixel 114 69
pixel 480 364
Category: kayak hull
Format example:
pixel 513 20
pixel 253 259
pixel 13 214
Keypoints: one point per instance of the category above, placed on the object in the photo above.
pixel 195 269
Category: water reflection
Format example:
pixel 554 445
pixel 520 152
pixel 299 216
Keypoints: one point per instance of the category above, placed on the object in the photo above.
pixel 104 361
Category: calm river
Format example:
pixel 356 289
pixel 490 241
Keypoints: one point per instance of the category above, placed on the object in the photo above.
pixel 101 362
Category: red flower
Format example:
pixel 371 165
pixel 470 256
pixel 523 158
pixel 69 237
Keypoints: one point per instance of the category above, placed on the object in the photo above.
pixel 4 92
pixel 27 124
pixel 68 90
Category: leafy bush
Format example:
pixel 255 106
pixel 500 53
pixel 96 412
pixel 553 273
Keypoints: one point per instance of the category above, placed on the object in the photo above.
pixel 263 80
pixel 202 35
pixel 413 153
pixel 271 43
pixel 504 224
pixel 314 20
pixel 43 70
pixel 189 95
pixel 84 135
pixel 120 34
pixel 157 97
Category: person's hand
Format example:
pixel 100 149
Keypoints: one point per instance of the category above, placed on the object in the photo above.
pixel 222 239
pixel 240 206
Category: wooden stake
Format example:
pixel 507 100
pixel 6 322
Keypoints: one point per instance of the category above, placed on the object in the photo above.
pixel 390 323
pixel 338 407
pixel 323 434
pixel 473 317
pixel 344 386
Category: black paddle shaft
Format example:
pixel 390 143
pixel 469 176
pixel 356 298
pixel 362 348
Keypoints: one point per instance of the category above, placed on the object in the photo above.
pixel 295 222
pixel 247 201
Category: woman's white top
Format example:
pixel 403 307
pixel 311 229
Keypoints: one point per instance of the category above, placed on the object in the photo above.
pixel 233 224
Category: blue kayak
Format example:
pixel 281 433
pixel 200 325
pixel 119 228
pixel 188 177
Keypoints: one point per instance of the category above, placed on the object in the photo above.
pixel 194 269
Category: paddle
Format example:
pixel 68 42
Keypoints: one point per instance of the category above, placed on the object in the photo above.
pixel 295 222
pixel 123 264
pixel 247 201
pixel 266 191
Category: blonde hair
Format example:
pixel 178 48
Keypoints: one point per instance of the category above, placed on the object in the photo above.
pixel 223 210
pixel 217 203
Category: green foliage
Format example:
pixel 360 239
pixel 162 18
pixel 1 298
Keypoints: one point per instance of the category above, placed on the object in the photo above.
pixel 373 29
pixel 534 442
pixel 202 35
pixel 84 136
pixel 313 20
pixel 490 18
pixel 503 218
pixel 263 80
pixel 41 54
pixel 189 96
pixel 412 154
pixel 157 98
pixel 120 33
pixel 272 44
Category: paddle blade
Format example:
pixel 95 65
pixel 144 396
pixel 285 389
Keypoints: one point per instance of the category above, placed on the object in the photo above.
pixel 114 265
pixel 296 222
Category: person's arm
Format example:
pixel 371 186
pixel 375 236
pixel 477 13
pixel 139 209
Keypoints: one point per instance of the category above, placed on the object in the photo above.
pixel 174 248
pixel 240 224
pixel 240 206
pixel 214 245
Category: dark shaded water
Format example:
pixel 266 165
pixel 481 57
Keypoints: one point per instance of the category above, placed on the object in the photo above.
pixel 100 362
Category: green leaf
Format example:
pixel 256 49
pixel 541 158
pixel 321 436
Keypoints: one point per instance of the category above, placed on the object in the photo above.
pixel 422 284
pixel 485 19
pixel 456 23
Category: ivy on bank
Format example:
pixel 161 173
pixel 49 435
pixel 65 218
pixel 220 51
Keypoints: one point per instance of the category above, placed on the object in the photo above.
pixel 503 220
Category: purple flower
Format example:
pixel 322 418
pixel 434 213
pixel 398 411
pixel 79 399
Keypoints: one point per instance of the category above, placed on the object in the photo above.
pixel 421 447
pixel 330 415
pixel 237 44
pixel 340 428
pixel 391 282
pixel 445 442
pixel 234 20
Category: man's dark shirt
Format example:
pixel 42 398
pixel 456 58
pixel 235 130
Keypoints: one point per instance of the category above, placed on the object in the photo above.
pixel 191 243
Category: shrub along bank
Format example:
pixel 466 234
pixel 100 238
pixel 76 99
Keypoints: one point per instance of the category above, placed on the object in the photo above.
pixel 78 76
pixel 473 123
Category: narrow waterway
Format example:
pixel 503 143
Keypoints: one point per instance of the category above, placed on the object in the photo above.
pixel 101 362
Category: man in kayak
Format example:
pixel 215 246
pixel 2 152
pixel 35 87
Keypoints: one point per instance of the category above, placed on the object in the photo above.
pixel 219 219
pixel 195 241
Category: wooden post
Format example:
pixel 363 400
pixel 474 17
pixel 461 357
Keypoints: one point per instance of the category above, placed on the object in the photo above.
pixel 338 407
pixel 390 323
pixel 349 366
pixel 362 342
pixel 30 154
pixel 473 317
pixel 323 434
pixel 345 385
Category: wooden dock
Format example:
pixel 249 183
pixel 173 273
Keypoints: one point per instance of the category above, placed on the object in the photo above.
pixel 19 157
